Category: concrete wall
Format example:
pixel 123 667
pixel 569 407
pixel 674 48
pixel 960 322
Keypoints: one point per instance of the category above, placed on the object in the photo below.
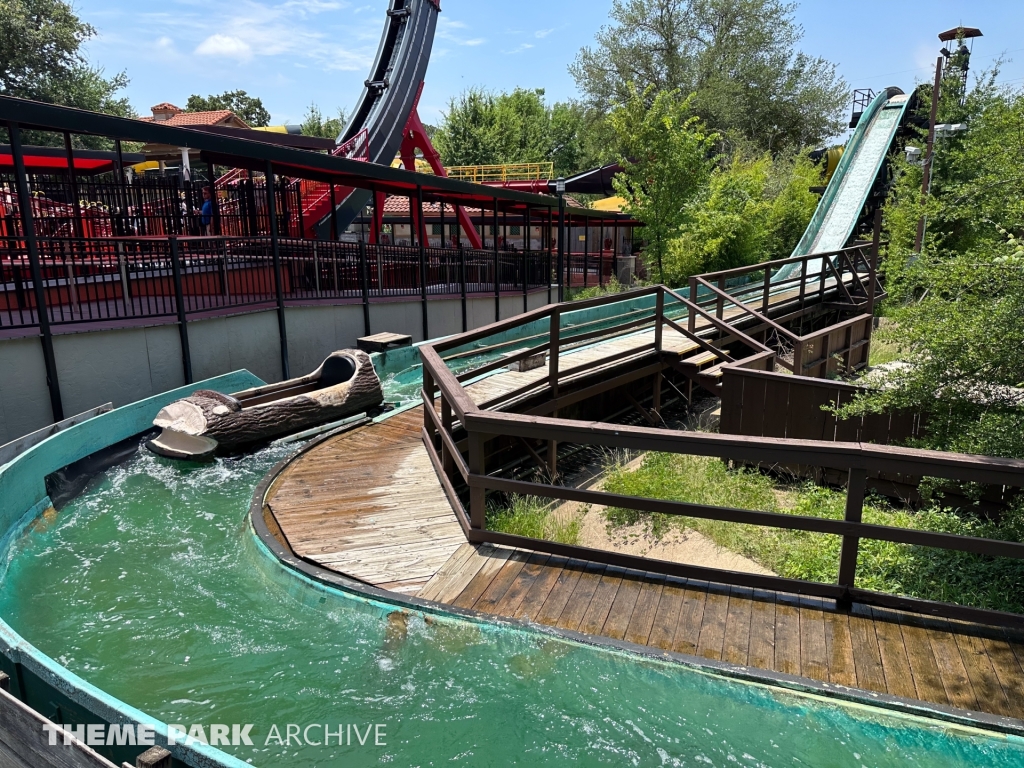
pixel 130 364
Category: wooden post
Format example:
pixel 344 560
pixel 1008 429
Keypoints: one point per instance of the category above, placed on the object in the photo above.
pixel 659 318
pixel 428 392
pixel 554 337
pixel 720 305
pixel 278 273
pixel 767 288
pixel 29 231
pixel 855 487
pixel 691 320
pixel 447 460
pixel 179 300
pixel 477 496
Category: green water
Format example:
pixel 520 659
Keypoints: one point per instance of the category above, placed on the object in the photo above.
pixel 151 586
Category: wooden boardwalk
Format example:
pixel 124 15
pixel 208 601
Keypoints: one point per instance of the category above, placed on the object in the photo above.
pixel 368 503
pixel 955 664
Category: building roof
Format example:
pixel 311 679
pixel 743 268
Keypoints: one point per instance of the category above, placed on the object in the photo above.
pixel 216 117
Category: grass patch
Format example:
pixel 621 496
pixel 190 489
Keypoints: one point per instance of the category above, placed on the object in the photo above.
pixel 883 352
pixel 530 516
pixel 596 291
pixel 933 574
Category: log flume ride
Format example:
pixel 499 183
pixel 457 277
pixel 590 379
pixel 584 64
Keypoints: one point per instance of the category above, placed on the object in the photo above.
pixel 209 423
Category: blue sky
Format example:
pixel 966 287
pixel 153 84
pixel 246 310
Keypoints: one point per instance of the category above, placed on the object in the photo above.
pixel 294 52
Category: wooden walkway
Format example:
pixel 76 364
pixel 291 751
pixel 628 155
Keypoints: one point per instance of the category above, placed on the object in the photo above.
pixel 961 665
pixel 368 503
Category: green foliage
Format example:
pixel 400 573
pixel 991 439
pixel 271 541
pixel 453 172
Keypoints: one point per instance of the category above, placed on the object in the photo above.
pixel 247 108
pixel 666 160
pixel 529 516
pixel 924 572
pixel 41 59
pixel 738 58
pixel 315 124
pixel 484 128
pixel 596 291
pixel 958 308
pixel 752 210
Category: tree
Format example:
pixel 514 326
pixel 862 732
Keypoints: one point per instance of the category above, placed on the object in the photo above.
pixel 958 306
pixel 41 59
pixel 248 108
pixel 737 57
pixel 752 210
pixel 315 124
pixel 667 160
pixel 484 128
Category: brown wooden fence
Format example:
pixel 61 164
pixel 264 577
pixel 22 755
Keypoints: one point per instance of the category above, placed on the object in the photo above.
pixel 455 436
pixel 759 403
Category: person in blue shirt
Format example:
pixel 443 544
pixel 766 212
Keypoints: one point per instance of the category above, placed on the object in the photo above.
pixel 206 212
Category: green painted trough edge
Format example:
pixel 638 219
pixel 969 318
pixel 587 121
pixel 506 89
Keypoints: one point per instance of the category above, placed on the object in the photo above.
pixel 46 686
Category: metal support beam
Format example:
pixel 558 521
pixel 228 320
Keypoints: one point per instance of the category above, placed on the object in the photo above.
pixel 561 248
pixel 73 180
pixel 364 286
pixel 179 302
pixel 926 175
pixel 29 231
pixel 275 248
pixel 421 237
pixel 497 265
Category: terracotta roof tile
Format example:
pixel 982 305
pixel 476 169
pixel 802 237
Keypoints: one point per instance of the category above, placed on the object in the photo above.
pixel 196 118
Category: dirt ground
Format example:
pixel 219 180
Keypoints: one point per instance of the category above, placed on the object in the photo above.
pixel 679 546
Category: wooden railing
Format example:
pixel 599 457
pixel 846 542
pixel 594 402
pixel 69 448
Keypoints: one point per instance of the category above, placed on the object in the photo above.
pixel 456 431
pixel 850 272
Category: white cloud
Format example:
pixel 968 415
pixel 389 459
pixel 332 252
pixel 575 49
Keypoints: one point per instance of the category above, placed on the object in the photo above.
pixel 445 29
pixel 540 34
pixel 226 46
pixel 519 49
pixel 321 33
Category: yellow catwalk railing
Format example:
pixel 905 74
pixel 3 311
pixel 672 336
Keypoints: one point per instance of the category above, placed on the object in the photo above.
pixel 511 172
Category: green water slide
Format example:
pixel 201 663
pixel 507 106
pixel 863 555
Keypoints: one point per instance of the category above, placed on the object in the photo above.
pixel 847 192
pixel 836 216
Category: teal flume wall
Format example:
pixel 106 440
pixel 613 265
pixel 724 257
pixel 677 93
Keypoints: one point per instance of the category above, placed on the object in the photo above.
pixel 38 680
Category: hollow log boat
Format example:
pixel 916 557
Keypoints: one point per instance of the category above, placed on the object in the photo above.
pixel 209 423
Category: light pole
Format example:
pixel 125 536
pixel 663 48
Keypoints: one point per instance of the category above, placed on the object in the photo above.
pixel 560 191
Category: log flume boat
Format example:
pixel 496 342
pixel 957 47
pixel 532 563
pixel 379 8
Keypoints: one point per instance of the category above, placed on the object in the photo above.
pixel 209 423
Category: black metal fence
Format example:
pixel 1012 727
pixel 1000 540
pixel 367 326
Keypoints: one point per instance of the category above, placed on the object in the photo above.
pixel 123 278
pixel 98 206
